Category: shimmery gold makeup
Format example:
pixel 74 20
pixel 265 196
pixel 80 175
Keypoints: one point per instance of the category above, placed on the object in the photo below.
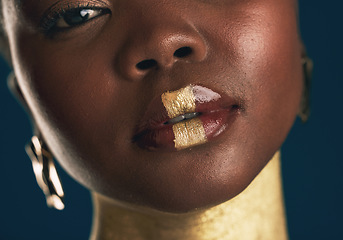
pixel 179 102
pixel 190 132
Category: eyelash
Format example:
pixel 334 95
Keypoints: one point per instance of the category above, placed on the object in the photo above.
pixel 54 14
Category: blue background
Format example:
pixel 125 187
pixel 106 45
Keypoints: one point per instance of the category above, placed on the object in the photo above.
pixel 312 160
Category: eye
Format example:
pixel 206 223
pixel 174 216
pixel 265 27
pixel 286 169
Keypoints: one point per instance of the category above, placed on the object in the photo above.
pixel 63 18
pixel 78 16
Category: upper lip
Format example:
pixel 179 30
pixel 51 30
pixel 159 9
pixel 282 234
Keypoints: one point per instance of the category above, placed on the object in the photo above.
pixel 207 101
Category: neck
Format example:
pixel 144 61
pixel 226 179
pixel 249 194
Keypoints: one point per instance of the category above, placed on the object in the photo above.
pixel 256 213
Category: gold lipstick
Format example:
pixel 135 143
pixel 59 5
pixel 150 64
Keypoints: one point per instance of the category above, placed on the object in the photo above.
pixel 189 132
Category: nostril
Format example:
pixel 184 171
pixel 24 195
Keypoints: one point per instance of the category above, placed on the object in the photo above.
pixel 146 64
pixel 183 52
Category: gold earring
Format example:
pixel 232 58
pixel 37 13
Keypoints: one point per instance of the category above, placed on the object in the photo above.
pixel 304 112
pixel 45 172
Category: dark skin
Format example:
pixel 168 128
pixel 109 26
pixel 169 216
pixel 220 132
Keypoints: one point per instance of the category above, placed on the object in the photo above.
pixel 87 95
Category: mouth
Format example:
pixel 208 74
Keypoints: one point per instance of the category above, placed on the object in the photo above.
pixel 185 118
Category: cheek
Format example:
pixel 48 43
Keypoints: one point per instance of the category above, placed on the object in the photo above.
pixel 260 53
pixel 269 52
pixel 73 102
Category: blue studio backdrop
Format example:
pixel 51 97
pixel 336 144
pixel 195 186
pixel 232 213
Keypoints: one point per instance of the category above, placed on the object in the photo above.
pixel 312 159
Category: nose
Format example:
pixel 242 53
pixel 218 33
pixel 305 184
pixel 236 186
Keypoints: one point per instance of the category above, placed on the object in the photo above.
pixel 159 46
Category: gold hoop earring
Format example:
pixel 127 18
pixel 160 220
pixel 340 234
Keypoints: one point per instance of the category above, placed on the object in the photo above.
pixel 45 172
pixel 304 112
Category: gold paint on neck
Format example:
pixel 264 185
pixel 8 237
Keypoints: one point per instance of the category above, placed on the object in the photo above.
pixel 189 133
pixel 256 213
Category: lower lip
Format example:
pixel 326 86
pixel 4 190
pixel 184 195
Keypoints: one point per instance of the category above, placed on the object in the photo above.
pixel 215 123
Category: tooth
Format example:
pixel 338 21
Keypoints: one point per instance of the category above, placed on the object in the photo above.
pixel 183 117
pixel 177 119
pixel 190 115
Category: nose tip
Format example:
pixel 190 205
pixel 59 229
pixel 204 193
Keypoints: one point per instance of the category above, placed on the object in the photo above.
pixel 161 51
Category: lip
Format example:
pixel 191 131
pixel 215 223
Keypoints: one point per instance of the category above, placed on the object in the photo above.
pixel 215 114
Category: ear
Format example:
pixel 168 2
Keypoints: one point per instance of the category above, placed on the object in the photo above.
pixel 16 91
pixel 303 51
pixel 307 66
pixel 4 44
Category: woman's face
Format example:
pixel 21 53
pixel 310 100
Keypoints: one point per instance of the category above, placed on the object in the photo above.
pixel 76 64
